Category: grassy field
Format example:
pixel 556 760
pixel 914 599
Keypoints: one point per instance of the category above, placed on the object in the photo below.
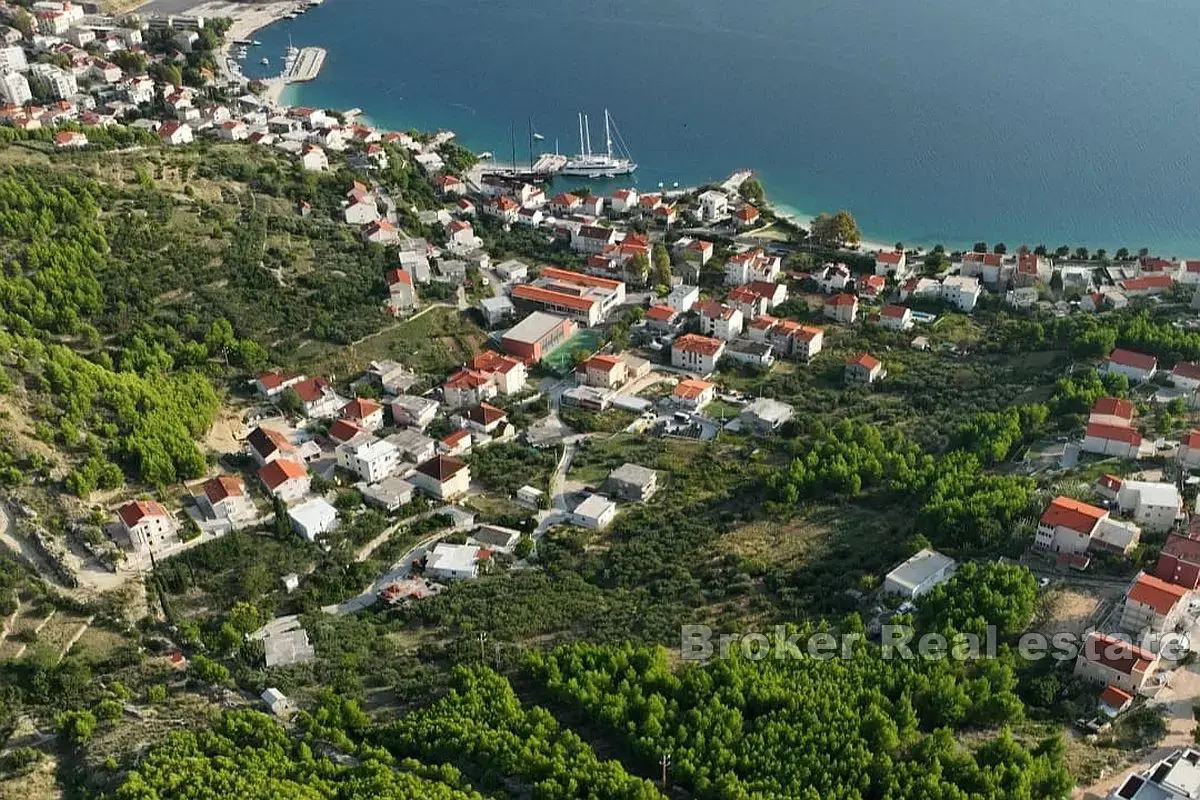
pixel 435 342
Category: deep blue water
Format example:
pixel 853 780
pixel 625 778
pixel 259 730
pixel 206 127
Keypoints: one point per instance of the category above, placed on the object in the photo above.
pixel 1023 121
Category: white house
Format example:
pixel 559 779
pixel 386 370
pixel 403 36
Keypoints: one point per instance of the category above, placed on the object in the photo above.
pixel 314 159
pixel 918 574
pixel 863 369
pixel 225 497
pixel 961 292
pixel 1189 451
pixel 369 458
pixel 714 206
pixel 891 263
pixel 1112 440
pixel 1186 376
pixel 265 445
pixel 1107 660
pixel 1071 527
pixel 752 265
pixel 697 353
pixel 411 409
pixel 147 524
pixel 1154 506
pixel 841 307
pixel 595 512
pixel 442 477
pixel 286 479
pixel 720 321
pixel 362 211
pixel 313 518
pixel 693 394
pixel 896 318
pixel 1152 605
pixel 683 297
pixel 1137 367
pixel 624 201
pixel 173 132
pixel 364 412
pixel 452 562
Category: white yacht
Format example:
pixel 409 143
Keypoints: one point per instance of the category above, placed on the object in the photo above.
pixel 608 164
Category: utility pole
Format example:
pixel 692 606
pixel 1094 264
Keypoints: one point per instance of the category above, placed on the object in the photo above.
pixel 482 651
pixel 664 761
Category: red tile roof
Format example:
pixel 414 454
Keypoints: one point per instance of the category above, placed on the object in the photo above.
pixel 1128 358
pixel 694 343
pixel 441 468
pixel 1066 512
pixel 467 379
pixel 1157 281
pixel 395 276
pixel 485 414
pixel 601 363
pixel 454 437
pixel 134 512
pixel 457 226
pixel 311 390
pixel 841 299
pixel 746 213
pixel 223 486
pixel 360 408
pixel 889 258
pixel 281 471
pixel 343 430
pixel 661 313
pixel 1156 593
pixel 491 361
pixel 989 259
pixel 1114 697
pixel 1183 547
pixel 895 312
pixel 1115 433
pixel 266 441
pixel 865 360
pixel 1116 654
pixel 690 389
pixel 1110 482
pixel 1187 369
pixel 1113 407
pixel 537 294
pixel 578 278
pixel 1193 439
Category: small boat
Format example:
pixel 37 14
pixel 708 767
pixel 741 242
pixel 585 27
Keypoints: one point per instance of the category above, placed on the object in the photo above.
pixel 256 43
pixel 265 61
pixel 485 155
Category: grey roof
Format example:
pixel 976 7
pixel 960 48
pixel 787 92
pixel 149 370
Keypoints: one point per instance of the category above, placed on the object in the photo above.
pixel 534 327
pixel 749 347
pixel 768 410
pixel 633 474
pixel 411 442
pixel 388 492
pixel 496 305
pixel 919 568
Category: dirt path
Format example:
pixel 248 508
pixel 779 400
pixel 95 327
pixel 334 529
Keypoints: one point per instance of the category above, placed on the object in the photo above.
pixel 83 628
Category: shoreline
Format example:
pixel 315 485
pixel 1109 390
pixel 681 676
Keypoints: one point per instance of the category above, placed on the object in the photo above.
pixel 248 20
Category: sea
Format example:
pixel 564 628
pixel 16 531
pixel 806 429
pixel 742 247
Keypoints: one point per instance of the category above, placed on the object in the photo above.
pixel 1032 122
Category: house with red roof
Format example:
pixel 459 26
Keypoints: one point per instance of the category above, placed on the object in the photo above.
pixel 988 267
pixel 447 184
pixel 363 412
pixel 896 318
pixel 380 231
pixel 603 371
pixel 468 387
pixel 1112 440
pixel 1153 605
pixel 460 236
pixel 1186 375
pixel 1179 560
pixel 1112 411
pixel 506 372
pixel 1073 527
pixel 1189 273
pixel 746 217
pixel 270 384
pixel 1114 702
pixel 863 370
pixel 841 308
pixel 173 132
pixel 67 140
pixel 1188 455
pixel 264 445
pixel 318 400
pixel 343 430
pixel 1032 269
pixel 720 320
pixel 750 303
pixel 402 292
pixel 891 263
pixel 696 251
pixel 225 498
pixel 1107 660
pixel 1137 367
pixel 565 203
pixel 484 418
pixel 693 394
pixel 624 201
pixel 697 353
pixel 752 265
pixel 288 480
pixel 662 318
pixel 442 477
pixel 791 338
pixel 456 443
pixel 147 524
pixel 1146 285
pixel 872 285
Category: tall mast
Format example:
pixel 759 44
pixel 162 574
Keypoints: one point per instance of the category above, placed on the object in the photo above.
pixel 587 131
pixel 607 135
pixel 581 146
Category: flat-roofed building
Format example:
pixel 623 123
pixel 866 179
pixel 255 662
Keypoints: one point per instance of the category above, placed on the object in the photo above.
pixel 534 337
pixel 920 573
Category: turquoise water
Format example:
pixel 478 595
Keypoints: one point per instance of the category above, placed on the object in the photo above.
pixel 1028 121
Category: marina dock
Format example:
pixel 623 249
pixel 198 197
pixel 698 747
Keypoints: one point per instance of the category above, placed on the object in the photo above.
pixel 305 66
pixel 545 167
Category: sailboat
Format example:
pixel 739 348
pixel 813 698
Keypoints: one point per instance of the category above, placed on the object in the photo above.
pixel 599 165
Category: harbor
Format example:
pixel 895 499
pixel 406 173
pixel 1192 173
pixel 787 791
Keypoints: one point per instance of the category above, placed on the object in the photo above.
pixel 303 64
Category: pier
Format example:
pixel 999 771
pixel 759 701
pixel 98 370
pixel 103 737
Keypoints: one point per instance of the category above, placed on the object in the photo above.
pixel 305 66
pixel 544 168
